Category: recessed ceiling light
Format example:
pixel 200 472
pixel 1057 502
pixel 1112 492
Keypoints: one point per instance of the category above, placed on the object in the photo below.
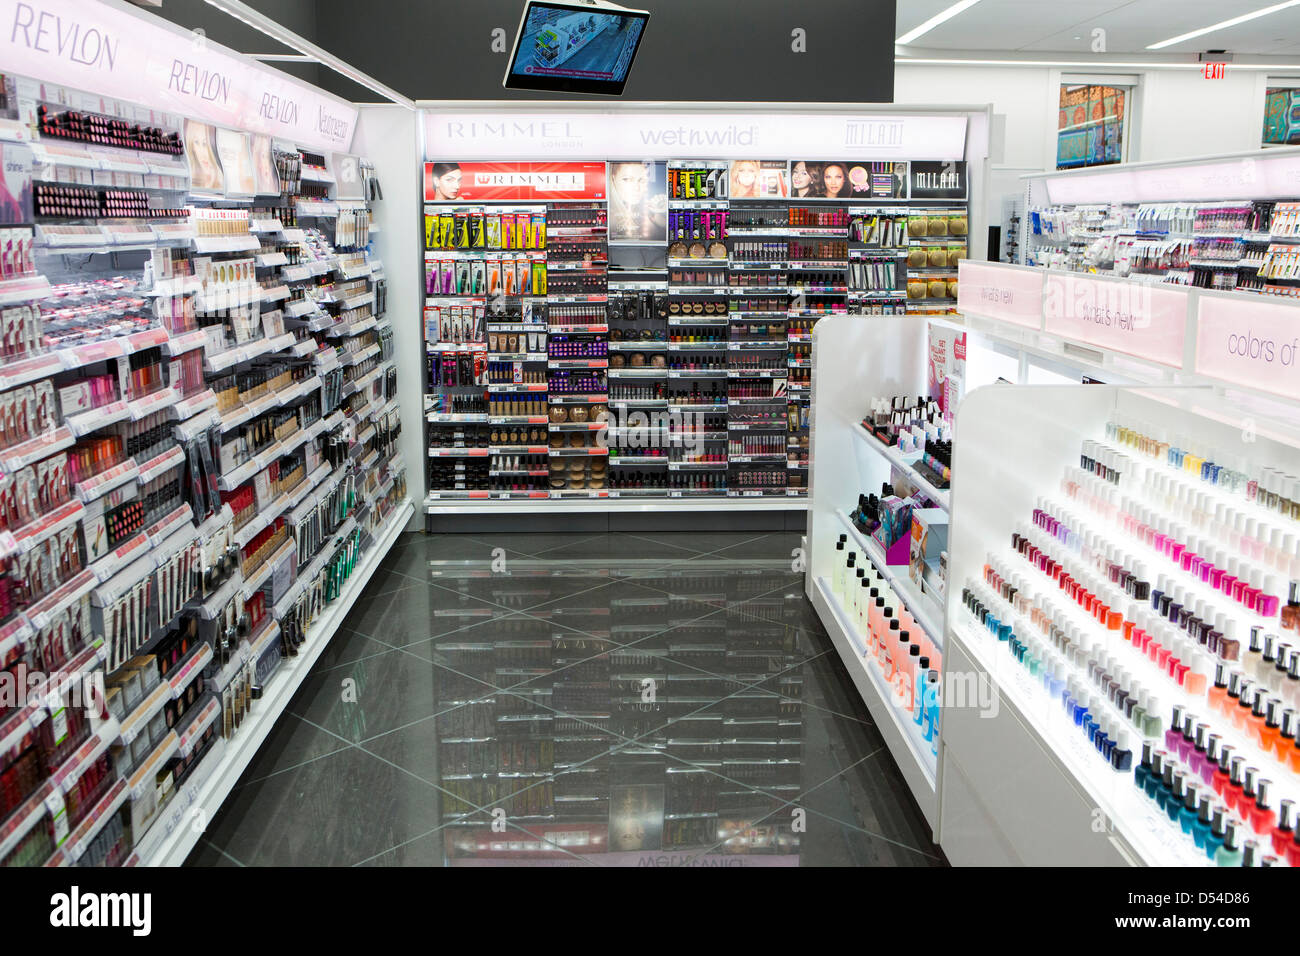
pixel 1224 24
pixel 941 17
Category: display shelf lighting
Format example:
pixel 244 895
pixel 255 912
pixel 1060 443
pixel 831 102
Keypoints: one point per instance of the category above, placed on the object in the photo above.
pixel 943 16
pixel 1224 24
pixel 258 21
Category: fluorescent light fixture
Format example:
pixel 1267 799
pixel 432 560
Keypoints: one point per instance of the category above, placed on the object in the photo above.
pixel 941 17
pixel 1224 24
pixel 1090 65
pixel 258 21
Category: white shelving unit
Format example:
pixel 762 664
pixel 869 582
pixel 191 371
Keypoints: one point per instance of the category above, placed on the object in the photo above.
pixel 170 838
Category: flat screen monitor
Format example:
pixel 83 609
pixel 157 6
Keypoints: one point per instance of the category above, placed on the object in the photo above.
pixel 575 47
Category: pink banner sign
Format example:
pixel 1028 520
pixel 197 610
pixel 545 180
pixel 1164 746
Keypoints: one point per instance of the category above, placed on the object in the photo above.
pixel 1135 318
pixel 1009 293
pixel 1254 344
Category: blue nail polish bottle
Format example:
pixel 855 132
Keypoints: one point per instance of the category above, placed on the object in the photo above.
pixel 1143 769
pixel 1155 778
pixel 1174 801
pixel 1201 828
pixel 1191 804
pixel 1218 829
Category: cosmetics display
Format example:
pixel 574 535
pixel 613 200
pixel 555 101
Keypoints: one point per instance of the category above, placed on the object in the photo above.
pixel 197 439
pixel 512 289
pixel 1228 245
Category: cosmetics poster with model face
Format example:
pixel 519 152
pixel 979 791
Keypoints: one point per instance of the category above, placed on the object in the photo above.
pixel 265 179
pixel 759 179
pixel 878 180
pixel 513 182
pixel 201 153
pixel 638 201
pixel 15 184
pixel 236 162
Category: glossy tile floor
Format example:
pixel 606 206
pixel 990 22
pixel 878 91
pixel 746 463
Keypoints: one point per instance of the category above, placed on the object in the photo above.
pixel 570 699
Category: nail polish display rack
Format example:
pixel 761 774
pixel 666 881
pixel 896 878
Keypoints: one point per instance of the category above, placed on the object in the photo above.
pixel 717 404
pixel 199 472
pixel 1119 567
pixel 559 779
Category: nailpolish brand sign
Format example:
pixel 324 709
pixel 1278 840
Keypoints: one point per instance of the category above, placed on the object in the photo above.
pixel 631 134
pixel 1012 295
pixel 1256 344
pixel 1129 317
pixel 513 182
pixel 117 53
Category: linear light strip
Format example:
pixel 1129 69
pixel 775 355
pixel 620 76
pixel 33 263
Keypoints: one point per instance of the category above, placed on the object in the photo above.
pixel 1092 64
pixel 941 17
pixel 245 14
pixel 1224 24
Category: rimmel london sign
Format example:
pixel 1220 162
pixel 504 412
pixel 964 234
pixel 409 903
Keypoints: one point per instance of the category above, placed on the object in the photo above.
pixel 115 52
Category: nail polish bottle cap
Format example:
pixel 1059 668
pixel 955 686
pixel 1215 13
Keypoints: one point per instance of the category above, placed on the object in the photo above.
pixel 1226 754
pixel 1213 748
pixel 1257 640
pixel 1286 815
pixel 1177 722
pixel 893 624
pixel 1189 726
pixel 1231 835
pixel 1206 809
pixel 1289 723
pixel 1148 752
pixel 1178 780
pixel 914 651
pixel 1263 787
pixel 1293 667
pixel 1220 820
pixel 1237 772
pixel 1202 735
pixel 1191 796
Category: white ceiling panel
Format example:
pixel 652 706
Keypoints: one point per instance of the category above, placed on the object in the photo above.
pixel 1047 26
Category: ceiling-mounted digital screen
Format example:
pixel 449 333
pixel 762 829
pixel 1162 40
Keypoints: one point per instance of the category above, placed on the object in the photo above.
pixel 575 47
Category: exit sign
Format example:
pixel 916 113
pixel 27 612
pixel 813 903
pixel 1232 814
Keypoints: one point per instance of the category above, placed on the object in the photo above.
pixel 1213 71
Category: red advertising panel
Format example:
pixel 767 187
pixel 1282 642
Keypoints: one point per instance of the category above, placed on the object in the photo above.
pixel 513 182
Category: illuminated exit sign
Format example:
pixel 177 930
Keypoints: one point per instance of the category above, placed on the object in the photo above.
pixel 1213 71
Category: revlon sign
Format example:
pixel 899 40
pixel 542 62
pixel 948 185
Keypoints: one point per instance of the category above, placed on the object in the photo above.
pixel 118 53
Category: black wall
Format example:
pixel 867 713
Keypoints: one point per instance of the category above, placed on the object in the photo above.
pixel 708 50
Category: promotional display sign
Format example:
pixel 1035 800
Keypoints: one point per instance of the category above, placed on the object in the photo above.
pixel 1250 177
pixel 1146 321
pixel 513 182
pixel 94 46
pixel 1254 344
pixel 846 179
pixel 932 180
pixel 638 201
pixel 631 134
pixel 760 179
pixel 1013 295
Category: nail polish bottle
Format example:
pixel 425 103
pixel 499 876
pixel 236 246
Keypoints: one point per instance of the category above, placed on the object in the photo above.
pixel 1286 735
pixel 1176 796
pixel 1218 692
pixel 1174 735
pixel 1283 834
pixel 1234 793
pixel 1143 770
pixel 1201 828
pixel 1259 814
pixel 1214 839
pixel 1191 804
pixel 1213 753
pixel 1153 786
pixel 1223 776
pixel 1230 853
pixel 1270 731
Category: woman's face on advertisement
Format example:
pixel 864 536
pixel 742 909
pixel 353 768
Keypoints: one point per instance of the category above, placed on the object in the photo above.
pixel 799 177
pixel 833 177
pixel 630 181
pixel 449 184
pixel 746 174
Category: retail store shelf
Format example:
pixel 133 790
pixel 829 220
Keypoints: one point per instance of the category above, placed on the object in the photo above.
pixel 604 501
pixel 911 751
pixel 174 845
pixel 904 463
pixel 922 605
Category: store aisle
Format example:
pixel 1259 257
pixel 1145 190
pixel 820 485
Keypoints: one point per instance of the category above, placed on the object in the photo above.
pixel 558 699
